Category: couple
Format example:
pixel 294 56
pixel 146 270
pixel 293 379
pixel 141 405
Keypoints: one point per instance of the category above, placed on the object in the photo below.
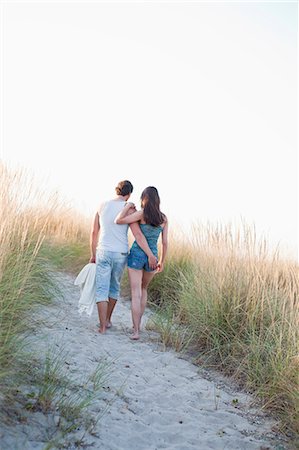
pixel 109 250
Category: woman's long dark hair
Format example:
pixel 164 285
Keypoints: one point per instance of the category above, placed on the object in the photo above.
pixel 150 202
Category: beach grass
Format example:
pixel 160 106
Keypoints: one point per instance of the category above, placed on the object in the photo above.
pixel 239 301
pixel 67 397
pixel 222 293
pixel 39 233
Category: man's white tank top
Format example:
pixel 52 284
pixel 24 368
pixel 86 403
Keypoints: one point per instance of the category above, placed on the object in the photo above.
pixel 113 237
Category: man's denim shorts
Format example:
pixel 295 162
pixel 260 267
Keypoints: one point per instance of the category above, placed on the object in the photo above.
pixel 109 269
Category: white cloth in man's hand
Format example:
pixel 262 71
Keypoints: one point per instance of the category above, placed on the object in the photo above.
pixel 86 280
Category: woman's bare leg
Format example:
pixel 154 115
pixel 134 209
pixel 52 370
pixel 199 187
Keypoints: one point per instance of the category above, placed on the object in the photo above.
pixel 135 277
pixel 146 279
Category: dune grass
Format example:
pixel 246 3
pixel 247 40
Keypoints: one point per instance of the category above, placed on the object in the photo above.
pixel 222 292
pixel 239 302
pixel 39 233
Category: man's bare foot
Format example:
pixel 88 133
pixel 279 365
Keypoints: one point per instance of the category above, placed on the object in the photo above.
pixel 135 336
pixel 102 330
pixel 108 324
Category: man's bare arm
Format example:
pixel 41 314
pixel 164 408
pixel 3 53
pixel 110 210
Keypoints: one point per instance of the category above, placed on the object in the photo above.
pixel 95 229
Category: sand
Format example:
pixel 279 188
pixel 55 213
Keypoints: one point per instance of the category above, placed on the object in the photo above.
pixel 153 398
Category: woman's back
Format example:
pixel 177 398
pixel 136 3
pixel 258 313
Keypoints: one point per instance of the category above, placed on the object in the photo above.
pixel 151 234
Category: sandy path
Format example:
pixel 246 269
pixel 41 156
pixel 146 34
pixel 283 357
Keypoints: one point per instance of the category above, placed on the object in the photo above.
pixel 157 400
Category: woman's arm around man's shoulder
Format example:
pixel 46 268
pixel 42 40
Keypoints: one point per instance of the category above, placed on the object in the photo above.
pixel 128 214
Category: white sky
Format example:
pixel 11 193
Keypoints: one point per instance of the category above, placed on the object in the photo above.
pixel 198 99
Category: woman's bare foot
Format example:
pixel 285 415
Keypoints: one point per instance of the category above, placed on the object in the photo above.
pixel 135 336
pixel 102 330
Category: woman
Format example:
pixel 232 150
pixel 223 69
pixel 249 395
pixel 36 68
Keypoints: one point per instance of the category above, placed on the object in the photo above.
pixel 152 223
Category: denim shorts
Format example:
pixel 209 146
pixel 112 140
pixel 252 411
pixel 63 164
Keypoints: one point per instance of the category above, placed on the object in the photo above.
pixel 138 260
pixel 109 269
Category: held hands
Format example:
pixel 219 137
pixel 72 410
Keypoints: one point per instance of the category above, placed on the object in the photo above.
pixel 152 262
pixel 130 208
pixel 129 205
pixel 160 267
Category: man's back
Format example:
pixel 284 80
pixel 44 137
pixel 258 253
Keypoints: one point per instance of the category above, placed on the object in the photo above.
pixel 113 237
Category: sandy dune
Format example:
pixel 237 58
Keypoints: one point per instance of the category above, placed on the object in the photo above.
pixel 156 399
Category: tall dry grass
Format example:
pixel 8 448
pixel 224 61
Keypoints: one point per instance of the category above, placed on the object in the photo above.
pixel 39 233
pixel 239 301
pixel 36 228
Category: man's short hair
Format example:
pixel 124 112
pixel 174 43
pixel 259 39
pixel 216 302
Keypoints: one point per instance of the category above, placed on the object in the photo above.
pixel 124 188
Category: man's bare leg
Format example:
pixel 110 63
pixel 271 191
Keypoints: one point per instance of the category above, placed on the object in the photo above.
pixel 102 312
pixel 111 305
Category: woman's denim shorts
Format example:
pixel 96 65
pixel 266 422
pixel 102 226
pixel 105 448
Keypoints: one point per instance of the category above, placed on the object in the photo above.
pixel 109 269
pixel 138 260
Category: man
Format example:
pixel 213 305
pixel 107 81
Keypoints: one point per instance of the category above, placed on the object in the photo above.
pixel 109 249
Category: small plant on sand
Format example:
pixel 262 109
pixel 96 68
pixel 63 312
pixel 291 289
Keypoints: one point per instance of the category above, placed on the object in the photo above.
pixel 65 397
pixel 172 334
